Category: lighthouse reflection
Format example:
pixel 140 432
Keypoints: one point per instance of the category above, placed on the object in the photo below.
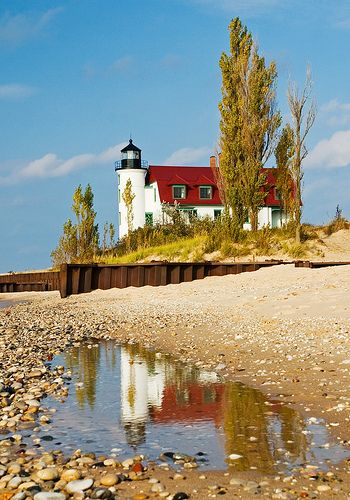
pixel 132 399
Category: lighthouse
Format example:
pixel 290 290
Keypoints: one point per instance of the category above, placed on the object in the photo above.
pixel 131 167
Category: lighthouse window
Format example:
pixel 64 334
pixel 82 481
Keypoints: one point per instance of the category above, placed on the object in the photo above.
pixel 205 192
pixel 179 192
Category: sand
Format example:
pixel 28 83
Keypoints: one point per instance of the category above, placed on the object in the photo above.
pixel 284 330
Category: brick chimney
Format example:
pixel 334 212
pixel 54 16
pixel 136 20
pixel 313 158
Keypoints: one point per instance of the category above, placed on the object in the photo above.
pixel 212 162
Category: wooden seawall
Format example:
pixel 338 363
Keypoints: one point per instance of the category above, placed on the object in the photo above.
pixel 83 278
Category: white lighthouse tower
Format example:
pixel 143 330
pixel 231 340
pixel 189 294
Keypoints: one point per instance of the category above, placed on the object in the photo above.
pixel 131 167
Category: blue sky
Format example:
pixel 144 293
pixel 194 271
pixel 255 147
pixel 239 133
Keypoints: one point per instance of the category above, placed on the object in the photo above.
pixel 78 76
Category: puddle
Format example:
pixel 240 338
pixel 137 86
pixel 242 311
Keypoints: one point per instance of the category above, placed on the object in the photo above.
pixel 9 303
pixel 5 303
pixel 127 400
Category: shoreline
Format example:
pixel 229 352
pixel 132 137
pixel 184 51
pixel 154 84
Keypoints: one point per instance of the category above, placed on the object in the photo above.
pixel 285 332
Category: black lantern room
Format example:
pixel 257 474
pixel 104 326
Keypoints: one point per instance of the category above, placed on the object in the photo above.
pixel 130 156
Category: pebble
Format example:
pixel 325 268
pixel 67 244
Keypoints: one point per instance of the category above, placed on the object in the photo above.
pixel 70 475
pixel 49 495
pixel 101 493
pixel 49 474
pixel 109 479
pixel 79 485
pixel 323 487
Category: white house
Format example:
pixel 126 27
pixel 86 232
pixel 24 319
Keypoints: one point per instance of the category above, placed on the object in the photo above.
pixel 193 188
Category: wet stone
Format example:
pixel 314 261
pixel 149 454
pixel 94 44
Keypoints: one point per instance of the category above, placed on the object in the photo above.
pixel 101 493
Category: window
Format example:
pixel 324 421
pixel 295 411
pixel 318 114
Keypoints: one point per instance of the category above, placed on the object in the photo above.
pixel 217 214
pixel 277 194
pixel 155 194
pixel 149 218
pixel 179 192
pixel 205 192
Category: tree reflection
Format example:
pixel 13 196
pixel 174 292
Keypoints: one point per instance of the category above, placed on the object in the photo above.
pixel 262 437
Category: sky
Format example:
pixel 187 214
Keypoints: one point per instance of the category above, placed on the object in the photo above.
pixel 78 77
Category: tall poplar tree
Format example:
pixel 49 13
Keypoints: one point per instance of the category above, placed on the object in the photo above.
pixel 284 183
pixel 303 117
pixel 249 123
pixel 231 150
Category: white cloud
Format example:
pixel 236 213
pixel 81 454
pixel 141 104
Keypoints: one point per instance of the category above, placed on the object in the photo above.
pixel 186 156
pixel 15 29
pixel 15 91
pixel 331 153
pixel 50 165
pixel 338 113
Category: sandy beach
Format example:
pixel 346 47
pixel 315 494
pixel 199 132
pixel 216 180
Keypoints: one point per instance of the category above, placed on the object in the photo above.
pixel 283 330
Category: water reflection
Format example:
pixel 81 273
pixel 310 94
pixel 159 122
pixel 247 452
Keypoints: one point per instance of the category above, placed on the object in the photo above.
pixel 129 399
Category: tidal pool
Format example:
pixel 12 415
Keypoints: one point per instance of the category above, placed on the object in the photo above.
pixel 126 400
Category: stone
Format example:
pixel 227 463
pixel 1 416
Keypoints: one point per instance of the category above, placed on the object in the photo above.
pixel 180 496
pixel 138 467
pixel 109 479
pixel 323 487
pixel 157 488
pixel 140 496
pixel 49 474
pixel 70 475
pixel 14 482
pixel 79 485
pixel 101 493
pixel 21 495
pixel 126 464
pixel 49 495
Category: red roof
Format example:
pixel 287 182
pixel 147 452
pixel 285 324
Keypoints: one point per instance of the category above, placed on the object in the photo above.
pixel 192 178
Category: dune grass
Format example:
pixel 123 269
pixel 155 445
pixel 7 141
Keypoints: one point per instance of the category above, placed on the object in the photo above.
pixel 178 251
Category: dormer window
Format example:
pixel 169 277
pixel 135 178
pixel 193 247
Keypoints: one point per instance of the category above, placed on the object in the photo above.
pixel 205 192
pixel 179 192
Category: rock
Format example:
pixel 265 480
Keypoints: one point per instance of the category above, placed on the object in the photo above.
pixel 70 475
pixel 180 496
pixel 179 476
pixel 49 474
pixel 157 488
pixel 21 495
pixel 110 462
pixel 126 464
pixel 34 374
pixel 101 493
pixel 137 467
pixel 109 479
pixel 140 496
pixel 79 485
pixel 49 495
pixel 14 468
pixel 14 482
pixel 234 456
pixel 323 487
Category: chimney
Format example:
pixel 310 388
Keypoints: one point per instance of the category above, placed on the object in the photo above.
pixel 212 162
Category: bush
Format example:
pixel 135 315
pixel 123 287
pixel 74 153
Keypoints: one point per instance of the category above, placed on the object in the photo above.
pixel 337 223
